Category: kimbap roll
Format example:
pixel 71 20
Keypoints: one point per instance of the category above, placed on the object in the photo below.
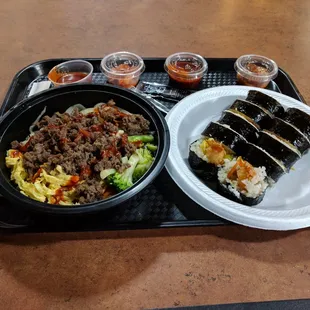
pixel 258 114
pixel 290 133
pixel 206 155
pixel 279 148
pixel 299 119
pixel 241 123
pixel 265 101
pixel 239 181
pixel 224 134
pixel 258 157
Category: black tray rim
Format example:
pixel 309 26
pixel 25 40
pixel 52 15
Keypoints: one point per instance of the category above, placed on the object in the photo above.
pixel 16 228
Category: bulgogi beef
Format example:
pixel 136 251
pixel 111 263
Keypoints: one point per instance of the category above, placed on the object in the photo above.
pixel 83 145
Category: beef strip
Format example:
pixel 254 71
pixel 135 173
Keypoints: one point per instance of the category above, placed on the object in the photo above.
pixel 91 190
pixel 134 124
pixel 15 145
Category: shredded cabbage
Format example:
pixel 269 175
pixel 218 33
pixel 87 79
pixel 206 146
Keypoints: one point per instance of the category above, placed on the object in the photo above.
pixel 105 173
pixel 34 124
pixel 87 111
pixel 120 109
pixel 71 109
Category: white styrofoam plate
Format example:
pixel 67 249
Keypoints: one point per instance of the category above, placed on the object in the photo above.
pixel 285 206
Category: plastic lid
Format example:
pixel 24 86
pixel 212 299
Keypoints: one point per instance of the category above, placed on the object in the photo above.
pixel 186 64
pixel 256 67
pixel 74 67
pixel 121 64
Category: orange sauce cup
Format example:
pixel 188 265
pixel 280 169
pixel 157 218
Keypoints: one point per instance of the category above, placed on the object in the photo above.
pixel 123 68
pixel 71 72
pixel 186 69
pixel 255 70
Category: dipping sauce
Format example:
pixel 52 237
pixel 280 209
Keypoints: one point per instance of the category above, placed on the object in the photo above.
pixel 71 77
pixel 71 72
pixel 185 69
pixel 123 69
pixel 255 70
pixel 127 80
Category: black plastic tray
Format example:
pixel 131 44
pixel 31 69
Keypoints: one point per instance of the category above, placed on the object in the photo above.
pixel 297 304
pixel 162 204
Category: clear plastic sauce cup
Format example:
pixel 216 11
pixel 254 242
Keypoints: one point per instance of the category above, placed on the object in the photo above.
pixel 255 70
pixel 71 72
pixel 123 68
pixel 186 69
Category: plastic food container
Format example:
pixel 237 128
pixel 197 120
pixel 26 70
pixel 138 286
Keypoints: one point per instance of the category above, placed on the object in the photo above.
pixel 15 125
pixel 255 70
pixel 71 72
pixel 122 68
pixel 186 69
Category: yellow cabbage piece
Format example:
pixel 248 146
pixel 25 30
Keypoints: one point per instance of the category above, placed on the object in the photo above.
pixel 45 186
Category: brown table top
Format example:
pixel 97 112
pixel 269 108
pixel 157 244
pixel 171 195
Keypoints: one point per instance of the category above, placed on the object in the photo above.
pixel 159 268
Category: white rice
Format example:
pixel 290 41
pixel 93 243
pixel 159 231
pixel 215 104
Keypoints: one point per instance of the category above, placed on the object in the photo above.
pixel 232 190
pixel 254 187
pixel 195 147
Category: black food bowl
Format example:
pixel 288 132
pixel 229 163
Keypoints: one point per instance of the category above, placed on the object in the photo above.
pixel 15 126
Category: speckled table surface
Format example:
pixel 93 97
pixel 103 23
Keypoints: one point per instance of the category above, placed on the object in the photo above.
pixel 158 268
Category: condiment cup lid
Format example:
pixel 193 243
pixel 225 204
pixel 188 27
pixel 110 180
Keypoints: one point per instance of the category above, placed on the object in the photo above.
pixel 172 64
pixel 75 65
pixel 113 64
pixel 241 67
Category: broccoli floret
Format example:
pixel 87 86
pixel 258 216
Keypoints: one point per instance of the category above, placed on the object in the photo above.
pixel 124 180
pixel 145 161
pixel 140 161
pixel 142 138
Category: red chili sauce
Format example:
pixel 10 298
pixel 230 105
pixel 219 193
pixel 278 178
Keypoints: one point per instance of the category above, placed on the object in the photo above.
pixel 71 77
pixel 256 68
pixel 181 72
pixel 125 81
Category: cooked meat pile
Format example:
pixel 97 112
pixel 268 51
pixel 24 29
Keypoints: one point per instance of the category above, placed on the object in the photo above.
pixel 83 145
